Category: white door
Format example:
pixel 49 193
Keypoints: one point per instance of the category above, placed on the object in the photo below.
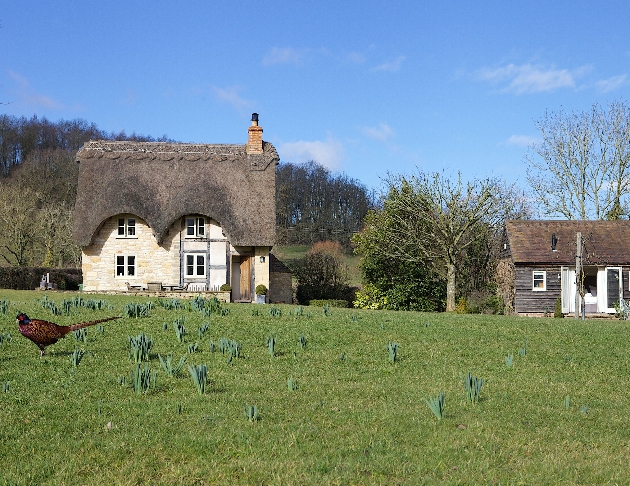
pixel 614 287
pixel 567 282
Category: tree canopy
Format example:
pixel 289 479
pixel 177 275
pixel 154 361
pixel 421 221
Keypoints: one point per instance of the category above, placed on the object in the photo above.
pixel 429 225
pixel 312 204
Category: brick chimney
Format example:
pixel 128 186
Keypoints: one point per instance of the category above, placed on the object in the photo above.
pixel 254 137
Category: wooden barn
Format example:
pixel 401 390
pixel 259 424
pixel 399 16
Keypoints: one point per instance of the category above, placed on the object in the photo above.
pixel 178 215
pixel 542 257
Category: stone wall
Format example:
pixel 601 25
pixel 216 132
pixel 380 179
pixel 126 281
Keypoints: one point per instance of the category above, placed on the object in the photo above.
pixel 280 290
pixel 153 262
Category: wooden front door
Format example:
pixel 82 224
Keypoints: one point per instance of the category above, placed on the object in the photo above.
pixel 246 277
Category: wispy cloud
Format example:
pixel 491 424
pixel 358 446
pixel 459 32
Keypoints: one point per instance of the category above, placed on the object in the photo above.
pixel 529 78
pixel 284 55
pixel 611 84
pixel 390 66
pixel 30 97
pixel 231 96
pixel 522 140
pixel 328 153
pixel 355 57
pixel 381 133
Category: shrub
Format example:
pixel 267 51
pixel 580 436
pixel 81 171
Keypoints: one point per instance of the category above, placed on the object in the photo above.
pixel 370 298
pixel 28 278
pixel 321 275
pixel 329 303
pixel 461 307
pixel 261 289
pixel 225 288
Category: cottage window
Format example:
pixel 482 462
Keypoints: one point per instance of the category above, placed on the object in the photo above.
pixel 540 280
pixel 195 227
pixel 126 227
pixel 125 265
pixel 195 265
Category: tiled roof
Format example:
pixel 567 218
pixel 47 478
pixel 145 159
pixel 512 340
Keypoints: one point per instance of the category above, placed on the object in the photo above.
pixel 603 242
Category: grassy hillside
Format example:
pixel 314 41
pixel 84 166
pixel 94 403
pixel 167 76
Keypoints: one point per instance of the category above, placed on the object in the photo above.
pixel 290 253
pixel 355 417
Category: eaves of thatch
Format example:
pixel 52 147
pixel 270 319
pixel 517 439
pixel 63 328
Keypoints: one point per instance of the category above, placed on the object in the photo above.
pixel 603 242
pixel 161 182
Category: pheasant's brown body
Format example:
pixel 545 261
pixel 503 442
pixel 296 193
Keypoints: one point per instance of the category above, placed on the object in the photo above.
pixel 44 333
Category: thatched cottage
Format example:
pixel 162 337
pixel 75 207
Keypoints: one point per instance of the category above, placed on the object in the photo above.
pixel 192 216
pixel 542 257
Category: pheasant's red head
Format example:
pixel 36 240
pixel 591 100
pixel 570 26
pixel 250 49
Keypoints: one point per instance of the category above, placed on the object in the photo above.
pixel 22 318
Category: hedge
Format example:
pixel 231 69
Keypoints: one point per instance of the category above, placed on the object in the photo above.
pixel 329 302
pixel 28 278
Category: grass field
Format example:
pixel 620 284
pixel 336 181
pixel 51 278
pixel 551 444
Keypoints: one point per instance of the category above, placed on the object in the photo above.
pixel 355 417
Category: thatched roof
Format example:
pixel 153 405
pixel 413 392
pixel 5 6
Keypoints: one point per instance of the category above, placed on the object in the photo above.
pixel 161 182
pixel 603 242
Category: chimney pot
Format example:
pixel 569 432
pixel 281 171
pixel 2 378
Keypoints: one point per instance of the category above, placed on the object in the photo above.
pixel 254 137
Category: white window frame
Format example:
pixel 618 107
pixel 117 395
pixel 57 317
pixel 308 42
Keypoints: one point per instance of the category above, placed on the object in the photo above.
pixel 129 265
pixel 195 265
pixel 539 274
pixel 195 227
pixel 127 228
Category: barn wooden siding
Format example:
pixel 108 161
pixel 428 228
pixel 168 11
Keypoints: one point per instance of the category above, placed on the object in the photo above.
pixel 527 300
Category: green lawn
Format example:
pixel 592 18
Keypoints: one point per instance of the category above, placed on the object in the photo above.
pixel 357 420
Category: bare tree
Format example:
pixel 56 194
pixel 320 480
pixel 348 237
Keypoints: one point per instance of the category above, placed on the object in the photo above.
pixel 581 168
pixel 18 230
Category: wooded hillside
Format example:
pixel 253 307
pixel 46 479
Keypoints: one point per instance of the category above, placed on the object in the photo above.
pixel 38 183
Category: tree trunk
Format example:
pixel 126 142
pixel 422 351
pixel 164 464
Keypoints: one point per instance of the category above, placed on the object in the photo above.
pixel 450 288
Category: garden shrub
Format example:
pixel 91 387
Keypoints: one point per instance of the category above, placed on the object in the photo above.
pixel 28 278
pixel 321 276
pixel 329 302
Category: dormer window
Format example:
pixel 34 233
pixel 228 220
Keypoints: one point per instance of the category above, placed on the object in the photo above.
pixel 126 227
pixel 195 227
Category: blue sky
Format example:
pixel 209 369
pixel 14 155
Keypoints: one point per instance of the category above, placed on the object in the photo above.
pixel 362 87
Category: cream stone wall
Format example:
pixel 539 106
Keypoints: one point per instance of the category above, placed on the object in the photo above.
pixel 154 263
pixel 162 263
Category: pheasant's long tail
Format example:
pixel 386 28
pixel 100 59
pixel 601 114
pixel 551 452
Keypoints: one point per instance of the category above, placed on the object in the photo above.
pixel 80 325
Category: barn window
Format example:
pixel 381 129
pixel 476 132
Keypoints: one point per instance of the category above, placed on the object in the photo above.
pixel 540 280
pixel 126 227
pixel 125 265
pixel 195 265
pixel 195 227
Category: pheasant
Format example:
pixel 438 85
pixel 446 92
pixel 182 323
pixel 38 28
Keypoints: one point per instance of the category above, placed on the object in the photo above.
pixel 44 333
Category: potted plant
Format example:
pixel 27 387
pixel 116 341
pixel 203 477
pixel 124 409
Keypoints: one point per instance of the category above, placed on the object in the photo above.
pixel 261 294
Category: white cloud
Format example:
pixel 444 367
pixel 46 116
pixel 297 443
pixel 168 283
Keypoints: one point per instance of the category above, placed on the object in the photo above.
pixel 390 66
pixel 380 133
pixel 528 78
pixel 231 96
pixel 284 55
pixel 29 97
pixel 522 140
pixel 355 57
pixel 329 153
pixel 610 84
